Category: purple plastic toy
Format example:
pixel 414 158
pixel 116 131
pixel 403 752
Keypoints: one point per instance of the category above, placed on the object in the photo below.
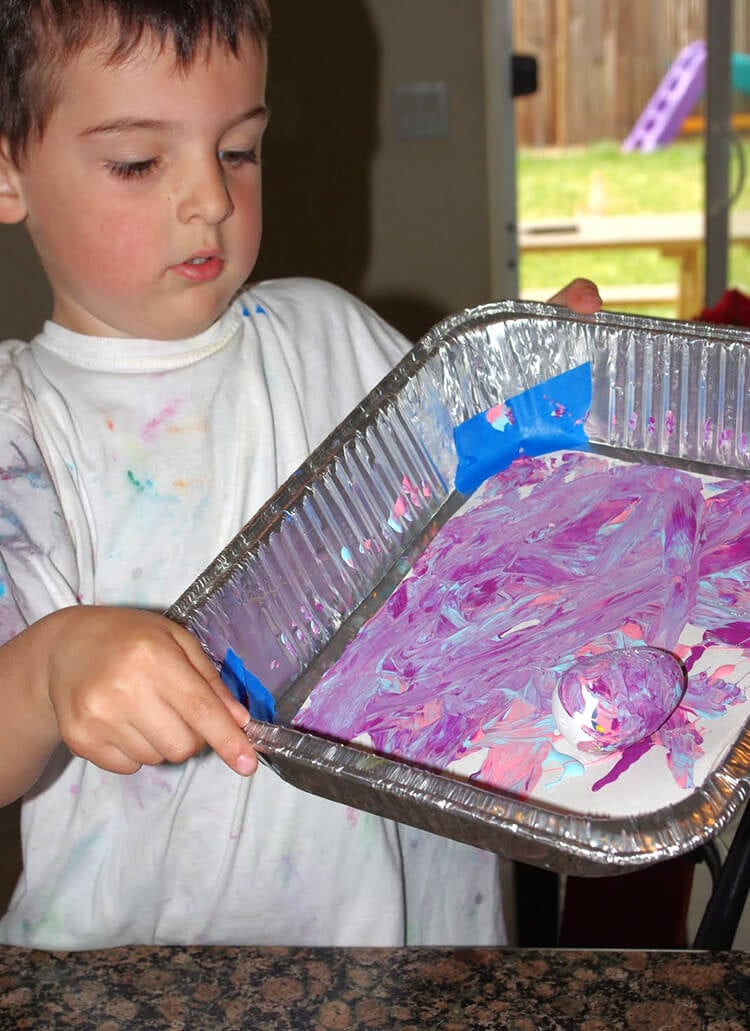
pixel 674 99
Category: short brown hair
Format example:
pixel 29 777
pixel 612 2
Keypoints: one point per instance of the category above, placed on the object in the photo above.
pixel 38 37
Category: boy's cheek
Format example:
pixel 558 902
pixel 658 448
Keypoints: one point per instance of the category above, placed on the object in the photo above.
pixel 123 249
pixel 111 250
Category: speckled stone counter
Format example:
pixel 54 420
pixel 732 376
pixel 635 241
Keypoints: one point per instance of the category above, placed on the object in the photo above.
pixel 383 989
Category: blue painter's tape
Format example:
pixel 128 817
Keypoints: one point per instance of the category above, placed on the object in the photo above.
pixel 247 689
pixel 547 417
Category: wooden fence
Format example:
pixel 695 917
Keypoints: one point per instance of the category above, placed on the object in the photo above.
pixel 601 60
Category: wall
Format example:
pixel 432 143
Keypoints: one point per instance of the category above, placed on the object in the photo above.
pixel 402 222
pixel 26 300
pixel 430 239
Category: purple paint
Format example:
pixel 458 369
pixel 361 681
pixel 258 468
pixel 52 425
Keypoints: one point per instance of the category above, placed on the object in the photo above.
pixel 555 558
pixel 627 758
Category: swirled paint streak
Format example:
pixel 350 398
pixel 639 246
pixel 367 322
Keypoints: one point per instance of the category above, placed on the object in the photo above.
pixel 555 558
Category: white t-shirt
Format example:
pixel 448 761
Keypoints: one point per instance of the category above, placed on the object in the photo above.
pixel 125 467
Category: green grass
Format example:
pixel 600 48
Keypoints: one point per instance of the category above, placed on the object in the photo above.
pixel 564 183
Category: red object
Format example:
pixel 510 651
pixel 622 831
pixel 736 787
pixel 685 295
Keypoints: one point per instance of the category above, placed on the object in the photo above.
pixel 733 309
pixel 646 909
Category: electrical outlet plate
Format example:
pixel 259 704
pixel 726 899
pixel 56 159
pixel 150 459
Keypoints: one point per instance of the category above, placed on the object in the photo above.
pixel 421 110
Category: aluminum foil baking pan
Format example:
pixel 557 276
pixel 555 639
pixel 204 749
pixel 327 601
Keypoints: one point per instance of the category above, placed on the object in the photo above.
pixel 292 588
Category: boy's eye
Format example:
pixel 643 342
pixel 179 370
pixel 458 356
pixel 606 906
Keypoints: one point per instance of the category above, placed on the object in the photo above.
pixel 235 158
pixel 131 169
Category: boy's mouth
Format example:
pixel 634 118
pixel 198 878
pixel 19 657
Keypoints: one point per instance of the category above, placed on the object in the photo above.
pixel 200 268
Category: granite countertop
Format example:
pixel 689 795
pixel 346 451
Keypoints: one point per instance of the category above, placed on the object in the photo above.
pixel 275 989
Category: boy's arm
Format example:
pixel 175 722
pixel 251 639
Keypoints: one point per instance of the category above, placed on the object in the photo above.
pixel 121 688
pixel 27 733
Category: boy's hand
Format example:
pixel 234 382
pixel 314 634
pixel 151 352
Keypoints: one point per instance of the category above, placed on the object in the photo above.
pixel 580 295
pixel 131 688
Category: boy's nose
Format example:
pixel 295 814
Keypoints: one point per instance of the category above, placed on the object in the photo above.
pixel 204 195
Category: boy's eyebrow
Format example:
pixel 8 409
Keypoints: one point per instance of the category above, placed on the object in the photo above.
pixel 123 125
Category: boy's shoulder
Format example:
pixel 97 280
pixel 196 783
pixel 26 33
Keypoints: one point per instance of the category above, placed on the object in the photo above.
pixel 328 344
pixel 298 293
pixel 12 395
pixel 9 349
pixel 306 309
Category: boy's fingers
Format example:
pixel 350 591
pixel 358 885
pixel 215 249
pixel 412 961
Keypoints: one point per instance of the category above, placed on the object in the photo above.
pixel 217 716
pixel 229 742
pixel 220 725
pixel 580 295
pixel 192 649
pixel 114 761
pixel 240 715
pixel 124 752
pixel 200 661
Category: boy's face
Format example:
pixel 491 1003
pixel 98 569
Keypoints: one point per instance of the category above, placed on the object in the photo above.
pixel 143 197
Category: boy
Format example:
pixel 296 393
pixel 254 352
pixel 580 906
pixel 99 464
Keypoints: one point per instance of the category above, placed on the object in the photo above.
pixel 150 418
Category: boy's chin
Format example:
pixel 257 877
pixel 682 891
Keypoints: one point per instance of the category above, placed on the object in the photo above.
pixel 192 320
pixel 182 325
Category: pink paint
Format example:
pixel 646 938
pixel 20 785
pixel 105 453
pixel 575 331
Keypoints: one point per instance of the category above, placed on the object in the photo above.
pixel 411 492
pixel 150 428
pixel 399 507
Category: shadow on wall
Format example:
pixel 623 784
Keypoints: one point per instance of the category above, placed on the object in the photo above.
pixel 26 296
pixel 323 91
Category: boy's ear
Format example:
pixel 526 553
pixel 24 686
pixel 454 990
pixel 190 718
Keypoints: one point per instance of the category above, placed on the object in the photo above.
pixel 12 204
